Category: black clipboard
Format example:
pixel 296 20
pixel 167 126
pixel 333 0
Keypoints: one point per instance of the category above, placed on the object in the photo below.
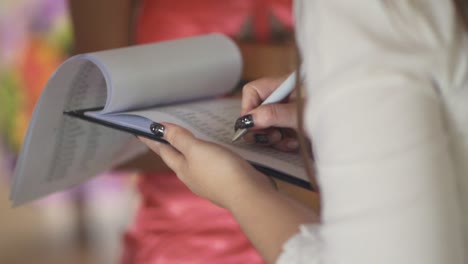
pixel 80 114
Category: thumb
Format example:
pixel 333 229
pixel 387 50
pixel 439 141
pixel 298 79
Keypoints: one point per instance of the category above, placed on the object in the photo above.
pixel 270 115
pixel 255 92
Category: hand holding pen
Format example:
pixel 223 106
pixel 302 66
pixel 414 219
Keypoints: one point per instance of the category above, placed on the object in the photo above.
pixel 269 115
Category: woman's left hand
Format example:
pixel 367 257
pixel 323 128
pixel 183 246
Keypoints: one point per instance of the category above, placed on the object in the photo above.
pixel 207 169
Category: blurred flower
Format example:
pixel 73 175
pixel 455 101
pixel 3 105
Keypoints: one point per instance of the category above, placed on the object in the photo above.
pixel 10 102
pixel 35 37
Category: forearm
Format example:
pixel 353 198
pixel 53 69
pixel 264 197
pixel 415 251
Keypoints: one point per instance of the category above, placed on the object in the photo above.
pixel 101 24
pixel 269 218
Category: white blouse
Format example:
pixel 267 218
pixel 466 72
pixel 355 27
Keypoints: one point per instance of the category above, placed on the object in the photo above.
pixel 387 112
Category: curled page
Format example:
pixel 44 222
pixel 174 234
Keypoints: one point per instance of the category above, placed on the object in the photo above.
pixel 59 151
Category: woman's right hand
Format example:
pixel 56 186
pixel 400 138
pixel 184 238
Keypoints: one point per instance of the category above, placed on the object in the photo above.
pixel 275 124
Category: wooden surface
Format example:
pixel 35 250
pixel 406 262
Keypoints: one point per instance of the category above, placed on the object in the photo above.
pixel 263 60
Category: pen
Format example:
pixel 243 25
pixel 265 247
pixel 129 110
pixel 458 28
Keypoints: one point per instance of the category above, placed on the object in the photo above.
pixel 279 94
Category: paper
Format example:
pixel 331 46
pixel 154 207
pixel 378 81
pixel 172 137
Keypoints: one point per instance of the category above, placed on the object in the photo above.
pixel 196 68
pixel 212 120
pixel 60 152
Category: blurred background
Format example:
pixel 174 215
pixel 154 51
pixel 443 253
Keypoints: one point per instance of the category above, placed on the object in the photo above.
pixel 35 37
pixel 87 224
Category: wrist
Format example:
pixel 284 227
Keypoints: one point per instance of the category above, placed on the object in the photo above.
pixel 259 186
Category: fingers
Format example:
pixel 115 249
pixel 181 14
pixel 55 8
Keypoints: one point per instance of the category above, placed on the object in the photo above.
pixel 288 145
pixel 275 115
pixel 173 158
pixel 281 139
pixel 180 139
pixel 269 115
pixel 255 92
pixel 265 137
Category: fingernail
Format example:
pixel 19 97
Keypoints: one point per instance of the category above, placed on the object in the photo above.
pixel 157 129
pixel 293 144
pixel 244 122
pixel 261 139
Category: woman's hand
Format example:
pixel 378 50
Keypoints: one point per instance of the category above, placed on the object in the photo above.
pixel 267 217
pixel 272 124
pixel 207 169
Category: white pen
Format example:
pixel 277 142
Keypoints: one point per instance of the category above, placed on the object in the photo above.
pixel 279 94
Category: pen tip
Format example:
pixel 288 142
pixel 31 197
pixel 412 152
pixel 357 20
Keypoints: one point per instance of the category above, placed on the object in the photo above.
pixel 238 134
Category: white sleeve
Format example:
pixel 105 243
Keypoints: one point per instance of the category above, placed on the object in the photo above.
pixel 380 139
pixel 304 247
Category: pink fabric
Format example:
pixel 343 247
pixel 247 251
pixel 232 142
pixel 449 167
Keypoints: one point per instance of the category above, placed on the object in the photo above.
pixel 170 19
pixel 175 226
